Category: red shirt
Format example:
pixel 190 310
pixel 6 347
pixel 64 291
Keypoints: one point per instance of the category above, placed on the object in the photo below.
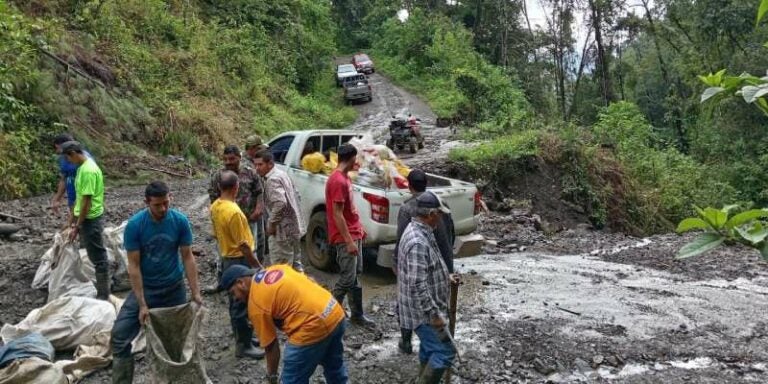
pixel 338 189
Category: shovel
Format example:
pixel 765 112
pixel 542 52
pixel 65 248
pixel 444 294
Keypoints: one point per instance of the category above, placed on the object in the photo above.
pixel 452 325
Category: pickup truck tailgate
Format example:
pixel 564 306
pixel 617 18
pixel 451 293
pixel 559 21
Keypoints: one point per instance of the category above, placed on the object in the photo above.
pixel 357 89
pixel 461 200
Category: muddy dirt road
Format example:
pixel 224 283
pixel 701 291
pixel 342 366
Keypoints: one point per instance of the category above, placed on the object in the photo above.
pixel 577 306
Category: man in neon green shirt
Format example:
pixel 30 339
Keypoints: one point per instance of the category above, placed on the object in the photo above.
pixel 87 213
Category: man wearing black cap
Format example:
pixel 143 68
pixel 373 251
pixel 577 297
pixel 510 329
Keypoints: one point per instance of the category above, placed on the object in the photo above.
pixel 253 145
pixel 423 284
pixel 87 213
pixel 67 173
pixel 444 236
pixel 281 297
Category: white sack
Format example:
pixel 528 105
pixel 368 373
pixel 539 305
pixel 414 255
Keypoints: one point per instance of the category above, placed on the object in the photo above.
pixel 66 322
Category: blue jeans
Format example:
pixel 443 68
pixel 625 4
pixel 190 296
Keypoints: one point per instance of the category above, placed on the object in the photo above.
pixel 300 362
pixel 127 324
pixel 433 351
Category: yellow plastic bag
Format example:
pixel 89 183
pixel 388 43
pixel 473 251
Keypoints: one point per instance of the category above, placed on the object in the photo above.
pixel 402 169
pixel 314 162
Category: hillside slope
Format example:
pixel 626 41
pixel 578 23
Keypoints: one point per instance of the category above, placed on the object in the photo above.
pixel 178 78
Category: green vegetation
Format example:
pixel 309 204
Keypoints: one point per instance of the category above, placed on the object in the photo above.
pixel 181 78
pixel 433 56
pixel 511 147
pixel 618 117
pixel 747 227
pixel 719 227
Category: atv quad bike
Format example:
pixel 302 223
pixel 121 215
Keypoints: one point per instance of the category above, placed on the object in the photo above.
pixel 405 133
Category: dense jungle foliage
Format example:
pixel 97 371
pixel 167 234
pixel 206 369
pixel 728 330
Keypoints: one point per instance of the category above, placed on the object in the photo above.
pixel 617 106
pixel 176 77
pixel 608 90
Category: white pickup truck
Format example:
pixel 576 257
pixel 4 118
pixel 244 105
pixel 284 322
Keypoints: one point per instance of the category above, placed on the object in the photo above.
pixel 378 207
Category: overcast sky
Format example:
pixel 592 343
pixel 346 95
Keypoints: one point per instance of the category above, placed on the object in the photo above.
pixel 538 18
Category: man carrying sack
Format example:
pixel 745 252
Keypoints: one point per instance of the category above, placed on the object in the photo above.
pixel 158 240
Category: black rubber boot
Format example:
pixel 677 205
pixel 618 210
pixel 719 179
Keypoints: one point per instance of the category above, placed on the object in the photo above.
pixel 430 375
pixel 421 369
pixel 405 341
pixel 102 285
pixel 122 370
pixel 244 346
pixel 356 305
pixel 339 296
pixel 248 350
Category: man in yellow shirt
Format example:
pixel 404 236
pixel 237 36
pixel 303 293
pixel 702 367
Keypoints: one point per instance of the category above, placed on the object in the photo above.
pixel 280 297
pixel 235 239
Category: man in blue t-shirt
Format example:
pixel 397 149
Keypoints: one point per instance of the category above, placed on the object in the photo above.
pixel 158 241
pixel 67 173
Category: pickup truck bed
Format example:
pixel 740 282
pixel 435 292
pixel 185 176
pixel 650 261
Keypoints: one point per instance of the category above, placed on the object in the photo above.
pixel 378 206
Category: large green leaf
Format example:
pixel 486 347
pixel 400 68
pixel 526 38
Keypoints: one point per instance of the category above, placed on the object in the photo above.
pixel 746 216
pixel 715 217
pixel 748 93
pixel 752 93
pixel 703 243
pixel 710 92
pixel 731 82
pixel 753 235
pixel 713 79
pixel 692 223
pixel 761 11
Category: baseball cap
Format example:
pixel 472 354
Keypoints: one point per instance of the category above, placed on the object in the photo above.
pixel 233 273
pixel 71 146
pixel 252 140
pixel 430 200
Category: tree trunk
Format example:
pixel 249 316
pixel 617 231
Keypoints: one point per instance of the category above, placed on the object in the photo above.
pixel 582 64
pixel 602 57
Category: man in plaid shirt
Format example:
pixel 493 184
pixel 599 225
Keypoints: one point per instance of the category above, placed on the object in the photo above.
pixel 423 284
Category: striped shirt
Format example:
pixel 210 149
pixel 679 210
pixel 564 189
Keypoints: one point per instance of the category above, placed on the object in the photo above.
pixel 423 283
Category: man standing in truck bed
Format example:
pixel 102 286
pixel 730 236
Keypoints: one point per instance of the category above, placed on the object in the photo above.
pixel 346 234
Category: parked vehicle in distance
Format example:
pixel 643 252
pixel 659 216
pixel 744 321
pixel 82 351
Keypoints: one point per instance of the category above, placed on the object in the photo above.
pixel 343 71
pixel 357 88
pixel 378 207
pixel 363 63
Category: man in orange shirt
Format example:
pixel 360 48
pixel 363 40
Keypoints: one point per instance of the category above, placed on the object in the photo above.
pixel 280 297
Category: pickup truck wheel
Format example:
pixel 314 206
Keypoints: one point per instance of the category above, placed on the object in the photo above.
pixel 317 248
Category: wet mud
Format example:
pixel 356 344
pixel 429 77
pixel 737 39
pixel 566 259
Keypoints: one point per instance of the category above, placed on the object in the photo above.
pixel 569 306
